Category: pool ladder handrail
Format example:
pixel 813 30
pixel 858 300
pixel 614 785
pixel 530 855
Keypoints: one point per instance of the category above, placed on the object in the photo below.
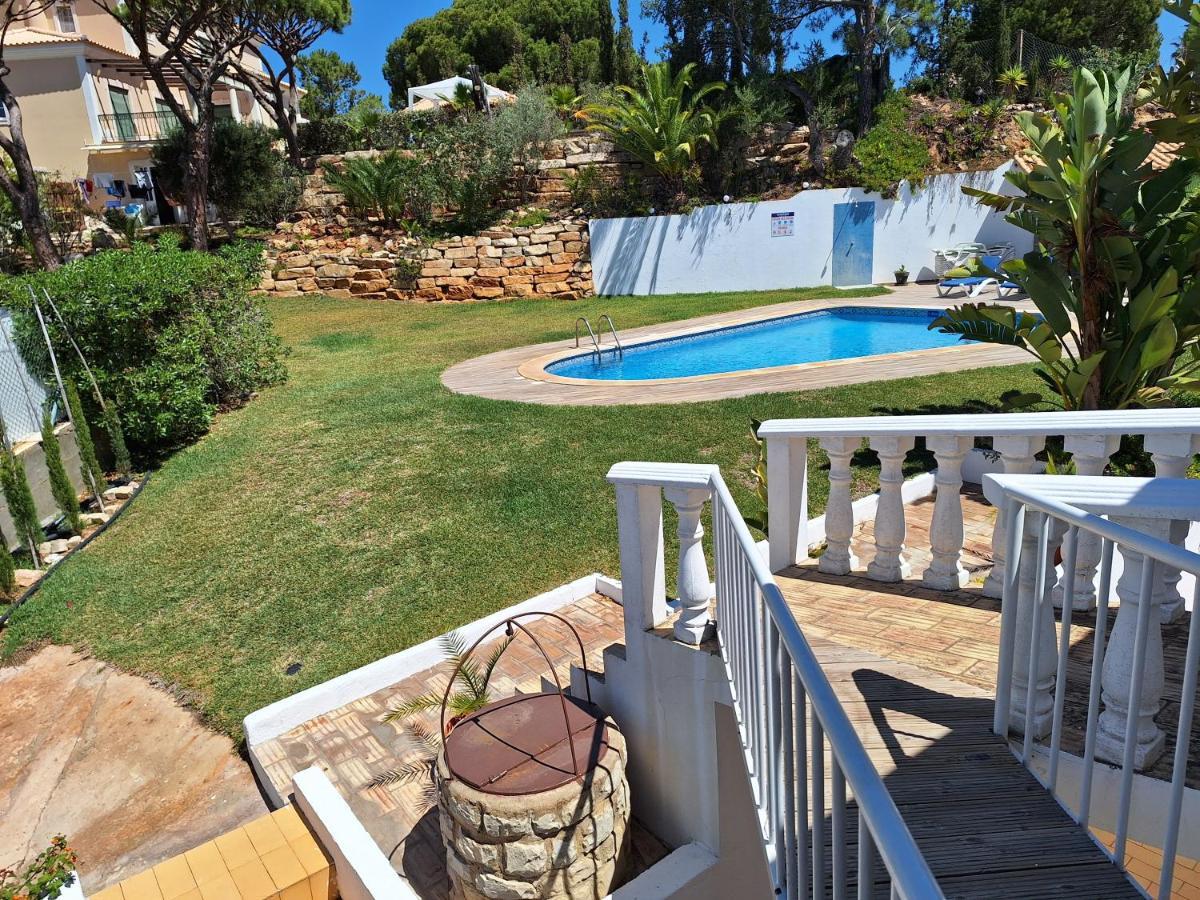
pixel 616 340
pixel 592 334
pixel 596 348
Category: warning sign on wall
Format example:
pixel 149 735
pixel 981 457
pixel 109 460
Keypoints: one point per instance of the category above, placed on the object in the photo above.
pixel 783 224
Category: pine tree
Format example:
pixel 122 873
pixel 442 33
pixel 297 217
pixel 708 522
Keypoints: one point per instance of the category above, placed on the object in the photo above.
pixel 60 483
pixel 89 465
pixel 608 60
pixel 14 484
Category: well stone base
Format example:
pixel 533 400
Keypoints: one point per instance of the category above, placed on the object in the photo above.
pixel 567 842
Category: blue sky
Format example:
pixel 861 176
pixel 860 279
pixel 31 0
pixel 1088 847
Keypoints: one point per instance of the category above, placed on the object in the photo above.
pixel 377 23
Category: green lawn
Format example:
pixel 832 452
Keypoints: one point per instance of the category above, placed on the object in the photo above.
pixel 361 507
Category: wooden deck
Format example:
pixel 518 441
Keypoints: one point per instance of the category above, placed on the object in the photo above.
pixel 499 375
pixel 985 825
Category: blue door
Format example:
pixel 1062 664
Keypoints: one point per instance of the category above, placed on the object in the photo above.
pixel 853 243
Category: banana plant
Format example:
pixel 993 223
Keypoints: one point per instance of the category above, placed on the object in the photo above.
pixel 1119 248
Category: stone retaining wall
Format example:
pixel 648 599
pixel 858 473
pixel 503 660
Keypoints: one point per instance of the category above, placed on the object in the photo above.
pixel 548 260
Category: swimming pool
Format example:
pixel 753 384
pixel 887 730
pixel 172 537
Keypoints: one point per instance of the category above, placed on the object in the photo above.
pixel 807 337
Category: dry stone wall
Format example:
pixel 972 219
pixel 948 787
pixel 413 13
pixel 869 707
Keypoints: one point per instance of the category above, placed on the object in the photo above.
pixel 548 260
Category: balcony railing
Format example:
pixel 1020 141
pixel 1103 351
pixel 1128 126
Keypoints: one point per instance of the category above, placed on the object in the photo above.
pixel 788 715
pixel 1125 678
pixel 121 128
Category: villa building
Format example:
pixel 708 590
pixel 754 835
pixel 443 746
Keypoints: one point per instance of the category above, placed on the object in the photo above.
pixel 92 112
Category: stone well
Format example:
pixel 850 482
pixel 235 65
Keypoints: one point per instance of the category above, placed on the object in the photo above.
pixel 568 841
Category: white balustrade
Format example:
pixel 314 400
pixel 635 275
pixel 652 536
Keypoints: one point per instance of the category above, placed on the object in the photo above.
pixel 1131 520
pixel 889 563
pixel 1172 454
pixel 946 572
pixel 1017 453
pixel 1090 453
pixel 838 558
pixel 1121 658
pixel 1092 437
pixel 1035 628
pixel 695 587
pixel 640 489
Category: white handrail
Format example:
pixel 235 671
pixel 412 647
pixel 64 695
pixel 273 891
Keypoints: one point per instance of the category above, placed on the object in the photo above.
pixel 1129 680
pixel 884 826
pixel 786 710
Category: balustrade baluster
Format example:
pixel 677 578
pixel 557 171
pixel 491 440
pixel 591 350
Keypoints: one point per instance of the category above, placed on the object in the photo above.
pixel 1016 455
pixel 1172 455
pixel 889 563
pixel 1117 677
pixel 695 589
pixel 1090 453
pixel 838 558
pixel 1034 617
pixel 945 572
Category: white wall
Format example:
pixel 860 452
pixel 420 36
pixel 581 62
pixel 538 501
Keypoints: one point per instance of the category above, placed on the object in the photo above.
pixel 730 248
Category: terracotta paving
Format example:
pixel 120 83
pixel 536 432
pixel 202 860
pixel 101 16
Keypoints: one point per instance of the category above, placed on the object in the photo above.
pixel 352 744
pixel 496 374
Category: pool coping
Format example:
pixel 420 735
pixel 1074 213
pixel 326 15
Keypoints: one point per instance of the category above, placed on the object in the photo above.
pixel 519 373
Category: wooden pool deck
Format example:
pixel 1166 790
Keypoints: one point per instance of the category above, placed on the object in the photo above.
pixel 515 374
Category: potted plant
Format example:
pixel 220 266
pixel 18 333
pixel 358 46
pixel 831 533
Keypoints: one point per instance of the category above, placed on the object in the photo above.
pixel 901 276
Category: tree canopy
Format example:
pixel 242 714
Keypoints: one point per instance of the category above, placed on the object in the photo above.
pixel 512 41
pixel 330 84
pixel 1128 26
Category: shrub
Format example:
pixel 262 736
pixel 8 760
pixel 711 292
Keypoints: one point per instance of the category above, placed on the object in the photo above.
pixel 171 335
pixel 325 136
pixel 601 196
pixel 60 482
pixel 891 152
pixel 248 178
pixel 42 879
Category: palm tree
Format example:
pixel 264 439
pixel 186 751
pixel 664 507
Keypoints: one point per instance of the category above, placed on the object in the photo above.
pixel 664 124
pixel 565 100
pixel 468 694
pixel 1012 80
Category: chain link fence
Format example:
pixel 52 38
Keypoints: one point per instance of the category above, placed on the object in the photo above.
pixel 22 396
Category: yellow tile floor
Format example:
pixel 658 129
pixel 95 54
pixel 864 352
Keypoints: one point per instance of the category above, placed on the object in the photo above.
pixel 274 857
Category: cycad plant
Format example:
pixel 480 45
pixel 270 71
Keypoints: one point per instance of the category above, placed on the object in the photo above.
pixel 1012 81
pixel 468 694
pixel 373 186
pixel 1115 281
pixel 664 123
pixel 565 101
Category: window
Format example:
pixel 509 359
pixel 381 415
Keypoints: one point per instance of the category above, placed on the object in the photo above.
pixel 222 111
pixel 122 114
pixel 64 14
pixel 3 113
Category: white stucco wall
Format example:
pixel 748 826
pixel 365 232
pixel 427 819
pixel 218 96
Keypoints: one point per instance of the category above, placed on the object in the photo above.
pixel 730 247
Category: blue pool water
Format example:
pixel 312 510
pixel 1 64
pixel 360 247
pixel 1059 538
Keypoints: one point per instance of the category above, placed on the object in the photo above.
pixel 789 340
